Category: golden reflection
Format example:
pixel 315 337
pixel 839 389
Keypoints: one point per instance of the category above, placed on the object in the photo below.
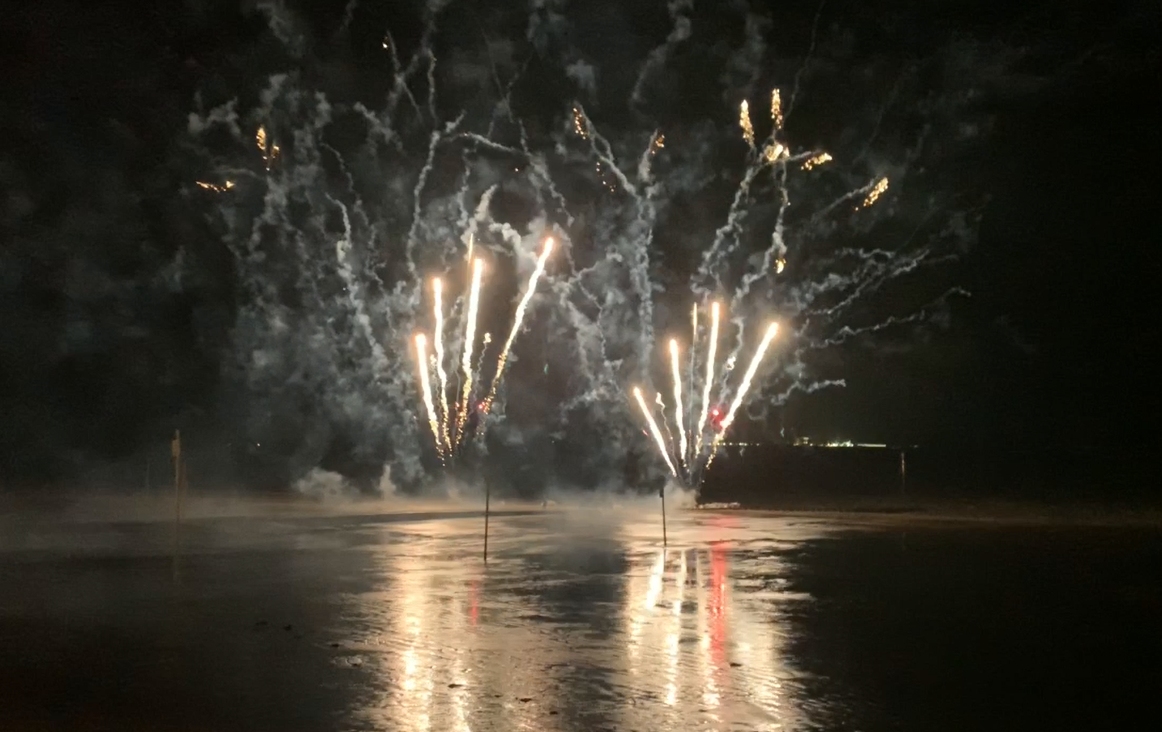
pixel 415 685
pixel 719 645
pixel 424 617
pixel 695 642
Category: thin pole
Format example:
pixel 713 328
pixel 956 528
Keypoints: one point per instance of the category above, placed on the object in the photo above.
pixel 487 502
pixel 662 492
pixel 903 474
pixel 176 452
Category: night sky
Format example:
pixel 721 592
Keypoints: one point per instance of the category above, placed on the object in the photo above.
pixel 119 298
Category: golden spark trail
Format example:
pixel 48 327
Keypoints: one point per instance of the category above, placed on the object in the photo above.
pixel 426 389
pixel 678 417
pixel 579 125
pixel 517 320
pixel 469 337
pixel 637 393
pixel 268 149
pixel 816 161
pixel 746 379
pixel 744 123
pixel 876 191
pixel 693 346
pixel 214 186
pixel 709 376
pixel 774 151
pixel 777 109
pixel 665 422
pixel 438 337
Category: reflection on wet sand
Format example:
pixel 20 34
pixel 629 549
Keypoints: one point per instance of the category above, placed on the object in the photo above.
pixel 618 636
pixel 721 656
pixel 420 639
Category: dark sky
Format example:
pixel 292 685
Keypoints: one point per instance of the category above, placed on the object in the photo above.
pixel 106 344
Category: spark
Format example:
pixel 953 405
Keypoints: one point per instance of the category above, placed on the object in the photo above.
pixel 774 151
pixel 480 359
pixel 816 161
pixel 579 124
pixel 518 319
pixel 876 191
pixel 438 308
pixel 744 123
pixel 693 343
pixel 709 375
pixel 659 143
pixel 772 330
pixel 777 109
pixel 469 337
pixel 387 43
pixel 678 398
pixel 780 265
pixel 214 186
pixel 657 433
pixel 426 388
pixel 268 148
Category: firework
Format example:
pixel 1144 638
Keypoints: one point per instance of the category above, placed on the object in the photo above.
pixel 678 416
pixel 693 341
pixel 214 186
pixel 469 339
pixel 517 320
pixel 876 191
pixel 709 377
pixel 777 109
pixel 267 147
pixel 744 123
pixel 438 337
pixel 579 126
pixel 426 388
pixel 816 160
pixel 657 433
pixel 449 417
pixel 696 461
pixel 774 151
pixel 772 330
pixel 284 237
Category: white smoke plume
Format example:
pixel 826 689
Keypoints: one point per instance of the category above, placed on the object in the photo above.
pixel 336 234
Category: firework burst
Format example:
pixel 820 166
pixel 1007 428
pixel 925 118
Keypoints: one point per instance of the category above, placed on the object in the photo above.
pixel 450 422
pixel 694 457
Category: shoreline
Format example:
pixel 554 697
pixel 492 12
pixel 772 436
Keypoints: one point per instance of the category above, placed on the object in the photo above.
pixel 952 513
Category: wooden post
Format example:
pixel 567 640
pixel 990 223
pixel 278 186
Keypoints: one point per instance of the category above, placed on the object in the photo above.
pixel 662 492
pixel 487 501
